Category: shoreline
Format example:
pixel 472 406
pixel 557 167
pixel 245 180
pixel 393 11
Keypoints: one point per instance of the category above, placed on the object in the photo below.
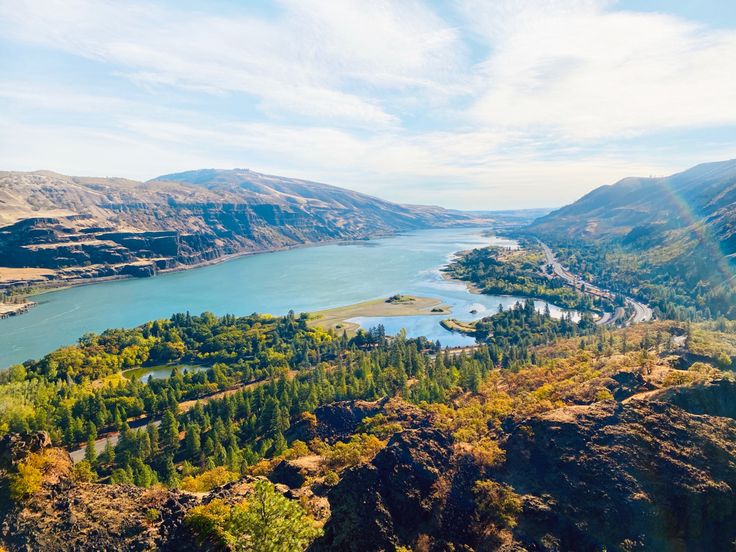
pixel 49 286
pixel 15 309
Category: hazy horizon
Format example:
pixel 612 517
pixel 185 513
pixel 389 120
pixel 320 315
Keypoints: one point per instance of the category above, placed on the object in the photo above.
pixel 470 105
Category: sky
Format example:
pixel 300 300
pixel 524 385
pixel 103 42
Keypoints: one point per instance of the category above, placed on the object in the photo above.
pixel 471 104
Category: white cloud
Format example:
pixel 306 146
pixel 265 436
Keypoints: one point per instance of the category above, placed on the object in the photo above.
pixel 512 104
pixel 578 70
pixel 312 61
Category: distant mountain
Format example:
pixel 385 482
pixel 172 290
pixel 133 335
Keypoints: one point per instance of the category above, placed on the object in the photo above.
pixel 81 227
pixel 635 208
pixel 670 242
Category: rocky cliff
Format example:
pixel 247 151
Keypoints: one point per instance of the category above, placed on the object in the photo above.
pixel 645 474
pixel 81 227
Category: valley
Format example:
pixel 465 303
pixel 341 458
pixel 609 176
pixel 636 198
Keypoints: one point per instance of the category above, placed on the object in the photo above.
pixel 287 276
pixel 304 280
pixel 61 230
pixel 400 384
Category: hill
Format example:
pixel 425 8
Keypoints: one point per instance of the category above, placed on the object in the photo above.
pixel 85 227
pixel 668 240
pixel 700 194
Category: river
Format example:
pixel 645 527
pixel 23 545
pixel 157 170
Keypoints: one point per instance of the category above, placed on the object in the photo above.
pixel 305 279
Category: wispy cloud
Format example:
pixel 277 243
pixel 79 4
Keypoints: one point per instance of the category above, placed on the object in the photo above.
pixel 470 104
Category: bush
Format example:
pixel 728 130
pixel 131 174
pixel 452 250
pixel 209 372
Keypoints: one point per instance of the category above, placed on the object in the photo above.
pixel 497 504
pixel 26 482
pixel 361 448
pixel 207 523
pixel 29 476
pixel 83 472
pixel 331 478
pixel 208 480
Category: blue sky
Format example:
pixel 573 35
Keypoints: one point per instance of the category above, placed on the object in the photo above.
pixel 479 104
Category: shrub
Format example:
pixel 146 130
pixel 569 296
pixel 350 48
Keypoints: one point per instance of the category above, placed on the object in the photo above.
pixel 487 452
pixel 29 476
pixel 207 523
pixel 331 478
pixel 26 482
pixel 83 472
pixel 208 480
pixel 360 448
pixel 298 448
pixel 497 504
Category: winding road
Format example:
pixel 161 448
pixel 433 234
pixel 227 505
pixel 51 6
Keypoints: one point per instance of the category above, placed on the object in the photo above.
pixel 642 313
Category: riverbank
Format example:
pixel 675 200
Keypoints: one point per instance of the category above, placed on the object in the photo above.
pixel 14 309
pixel 36 281
pixel 306 279
pixel 338 318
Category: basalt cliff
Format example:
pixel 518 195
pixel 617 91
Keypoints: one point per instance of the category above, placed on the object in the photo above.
pixel 56 227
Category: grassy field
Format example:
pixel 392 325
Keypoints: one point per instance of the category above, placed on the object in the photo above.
pixel 408 306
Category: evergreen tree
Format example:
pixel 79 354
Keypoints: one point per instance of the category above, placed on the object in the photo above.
pixel 169 431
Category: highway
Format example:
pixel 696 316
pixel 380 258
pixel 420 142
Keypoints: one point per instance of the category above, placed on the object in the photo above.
pixel 642 313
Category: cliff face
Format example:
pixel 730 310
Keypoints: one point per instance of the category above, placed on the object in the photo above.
pixel 652 472
pixel 634 475
pixel 88 227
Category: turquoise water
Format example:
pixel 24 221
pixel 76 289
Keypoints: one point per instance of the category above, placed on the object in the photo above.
pixel 305 279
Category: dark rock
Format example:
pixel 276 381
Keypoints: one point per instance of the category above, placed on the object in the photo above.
pixel 390 500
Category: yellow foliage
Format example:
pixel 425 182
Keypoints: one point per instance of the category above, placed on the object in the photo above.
pixel 208 480
pixel 497 504
pixel 29 476
pixel 361 448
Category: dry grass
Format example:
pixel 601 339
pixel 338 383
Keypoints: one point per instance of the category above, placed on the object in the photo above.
pixel 336 318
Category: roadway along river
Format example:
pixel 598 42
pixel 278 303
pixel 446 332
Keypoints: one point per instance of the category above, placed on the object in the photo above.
pixel 303 279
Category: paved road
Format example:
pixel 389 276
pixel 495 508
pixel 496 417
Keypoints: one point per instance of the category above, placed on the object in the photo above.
pixel 642 312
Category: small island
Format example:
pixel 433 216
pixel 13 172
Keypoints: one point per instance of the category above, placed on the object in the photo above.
pixel 396 305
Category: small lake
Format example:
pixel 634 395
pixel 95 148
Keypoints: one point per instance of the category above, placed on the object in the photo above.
pixel 304 279
pixel 161 372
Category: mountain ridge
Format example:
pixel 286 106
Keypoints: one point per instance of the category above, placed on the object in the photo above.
pixel 677 200
pixel 91 227
pixel 669 241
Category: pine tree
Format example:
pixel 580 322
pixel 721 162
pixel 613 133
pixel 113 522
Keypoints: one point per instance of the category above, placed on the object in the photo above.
pixel 90 452
pixel 193 441
pixel 108 455
pixel 169 431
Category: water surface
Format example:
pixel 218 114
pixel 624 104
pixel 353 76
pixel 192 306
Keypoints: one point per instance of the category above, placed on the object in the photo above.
pixel 306 279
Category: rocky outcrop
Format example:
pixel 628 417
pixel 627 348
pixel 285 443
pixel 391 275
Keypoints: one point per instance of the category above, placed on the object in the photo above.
pixel 340 420
pixel 68 515
pixel 14 447
pixel 645 474
pixel 391 500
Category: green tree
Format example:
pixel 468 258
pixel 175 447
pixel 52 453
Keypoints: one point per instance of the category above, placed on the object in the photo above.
pixel 193 441
pixel 270 522
pixel 169 431
pixel 108 455
pixel 90 452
